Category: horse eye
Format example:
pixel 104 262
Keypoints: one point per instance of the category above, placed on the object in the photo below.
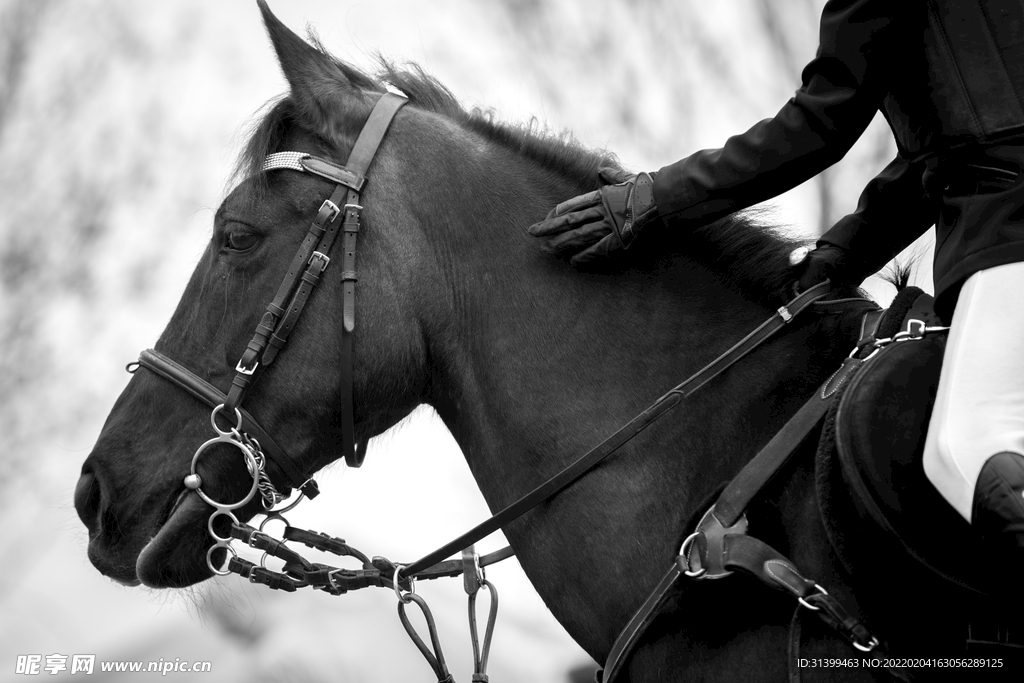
pixel 242 241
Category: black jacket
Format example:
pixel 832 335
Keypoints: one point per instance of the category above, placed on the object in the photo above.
pixel 946 75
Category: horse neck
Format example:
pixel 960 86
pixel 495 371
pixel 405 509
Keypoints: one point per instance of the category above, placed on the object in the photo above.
pixel 534 363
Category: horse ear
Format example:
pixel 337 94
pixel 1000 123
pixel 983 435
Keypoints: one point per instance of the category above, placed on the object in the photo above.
pixel 319 87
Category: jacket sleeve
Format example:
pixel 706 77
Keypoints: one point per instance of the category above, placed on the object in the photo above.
pixel 893 211
pixel 842 88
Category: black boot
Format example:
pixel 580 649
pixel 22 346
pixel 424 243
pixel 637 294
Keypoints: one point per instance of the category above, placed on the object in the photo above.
pixel 998 511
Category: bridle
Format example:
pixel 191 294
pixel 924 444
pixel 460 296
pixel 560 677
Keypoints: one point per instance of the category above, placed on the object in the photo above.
pixel 340 215
pixel 304 273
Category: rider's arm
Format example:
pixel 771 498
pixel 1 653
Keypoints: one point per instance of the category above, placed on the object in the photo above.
pixel 842 88
pixel 893 211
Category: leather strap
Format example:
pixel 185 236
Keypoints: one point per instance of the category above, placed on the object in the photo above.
pixel 767 463
pixel 299 284
pixel 451 568
pixel 630 635
pixel 276 308
pixel 777 452
pixel 315 265
pixel 348 177
pixel 625 433
pixel 705 556
pixel 358 162
pixel 373 131
pixel 182 377
pixel 432 653
pixel 793 651
pixel 354 454
pixel 758 559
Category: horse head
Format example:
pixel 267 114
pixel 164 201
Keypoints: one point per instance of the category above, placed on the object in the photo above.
pixel 143 525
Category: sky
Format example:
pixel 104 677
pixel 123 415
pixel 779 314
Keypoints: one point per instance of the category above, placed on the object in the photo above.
pixel 118 131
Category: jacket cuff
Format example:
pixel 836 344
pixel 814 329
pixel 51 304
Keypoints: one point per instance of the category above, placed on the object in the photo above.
pixel 668 194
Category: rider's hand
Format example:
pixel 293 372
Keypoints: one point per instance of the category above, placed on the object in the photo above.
pixel 599 223
pixel 825 262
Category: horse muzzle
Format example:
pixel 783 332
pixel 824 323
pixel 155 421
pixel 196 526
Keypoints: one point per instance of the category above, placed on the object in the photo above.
pixel 94 511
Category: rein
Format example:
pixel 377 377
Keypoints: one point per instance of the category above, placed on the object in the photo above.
pixel 260 452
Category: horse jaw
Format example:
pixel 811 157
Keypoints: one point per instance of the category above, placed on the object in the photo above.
pixel 176 556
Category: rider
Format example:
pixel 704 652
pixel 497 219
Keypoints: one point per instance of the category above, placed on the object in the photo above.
pixel 949 78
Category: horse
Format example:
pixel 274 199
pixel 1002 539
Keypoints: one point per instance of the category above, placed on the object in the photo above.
pixel 527 360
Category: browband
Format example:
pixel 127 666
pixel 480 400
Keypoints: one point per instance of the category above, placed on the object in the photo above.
pixel 307 163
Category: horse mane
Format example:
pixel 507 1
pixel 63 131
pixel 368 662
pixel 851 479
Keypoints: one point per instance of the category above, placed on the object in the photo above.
pixel 741 248
pixel 560 152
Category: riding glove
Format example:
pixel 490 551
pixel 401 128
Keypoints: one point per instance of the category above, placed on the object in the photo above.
pixel 599 223
pixel 825 262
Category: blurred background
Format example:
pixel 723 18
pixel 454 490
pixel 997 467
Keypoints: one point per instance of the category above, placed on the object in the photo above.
pixel 119 124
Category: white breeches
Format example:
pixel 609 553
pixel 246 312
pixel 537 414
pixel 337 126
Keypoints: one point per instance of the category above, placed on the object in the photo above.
pixel 979 408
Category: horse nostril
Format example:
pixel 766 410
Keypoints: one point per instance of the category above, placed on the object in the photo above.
pixel 87 500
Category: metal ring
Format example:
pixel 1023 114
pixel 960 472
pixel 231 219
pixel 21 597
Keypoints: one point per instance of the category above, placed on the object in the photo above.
pixel 288 507
pixel 250 459
pixel 398 589
pixel 209 525
pixel 274 518
pixel 808 605
pixel 684 551
pixel 209 561
pixel 213 421
pixel 872 644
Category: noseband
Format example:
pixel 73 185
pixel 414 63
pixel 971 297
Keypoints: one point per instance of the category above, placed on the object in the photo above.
pixel 304 274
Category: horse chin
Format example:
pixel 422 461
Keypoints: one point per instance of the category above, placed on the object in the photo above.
pixel 176 556
pixel 123 574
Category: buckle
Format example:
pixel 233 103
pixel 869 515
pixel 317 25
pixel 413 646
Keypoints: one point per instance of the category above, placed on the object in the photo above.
pixel 328 212
pixel 353 214
pixel 246 371
pixel 323 257
pixel 254 538
pixel 916 328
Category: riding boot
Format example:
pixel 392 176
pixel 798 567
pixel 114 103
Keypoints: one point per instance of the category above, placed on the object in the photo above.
pixel 998 510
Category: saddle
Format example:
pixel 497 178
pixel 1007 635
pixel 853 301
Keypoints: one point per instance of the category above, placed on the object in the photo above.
pixel 884 518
